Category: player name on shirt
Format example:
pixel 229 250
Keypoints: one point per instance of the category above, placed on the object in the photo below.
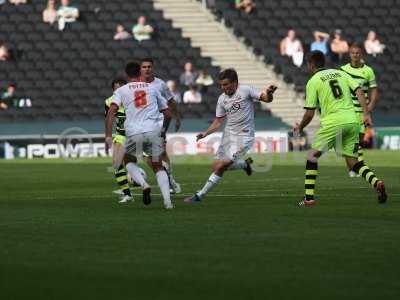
pixel 332 96
pixel 330 76
pixel 142 104
pixel 137 85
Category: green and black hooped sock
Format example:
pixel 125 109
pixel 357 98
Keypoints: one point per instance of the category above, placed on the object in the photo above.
pixel 311 177
pixel 365 171
pixel 122 180
pixel 360 153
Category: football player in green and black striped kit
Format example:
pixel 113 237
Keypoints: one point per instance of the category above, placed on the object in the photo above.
pixel 365 76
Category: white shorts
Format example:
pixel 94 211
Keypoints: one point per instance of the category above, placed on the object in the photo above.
pixel 148 143
pixel 161 122
pixel 234 147
pixel 164 140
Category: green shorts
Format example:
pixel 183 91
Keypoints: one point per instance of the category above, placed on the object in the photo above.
pixel 361 119
pixel 343 138
pixel 119 139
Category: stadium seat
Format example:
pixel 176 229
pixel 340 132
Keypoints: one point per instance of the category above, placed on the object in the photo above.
pixel 271 20
pixel 60 68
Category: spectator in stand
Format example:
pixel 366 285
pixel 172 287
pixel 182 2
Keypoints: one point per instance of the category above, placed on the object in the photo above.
pixel 192 95
pixel 8 99
pixel 291 47
pixel 188 77
pixel 320 42
pixel 339 47
pixel 142 31
pixel 121 33
pixel 3 104
pixel 18 2
pixel 66 14
pixel 246 5
pixel 50 13
pixel 174 91
pixel 204 81
pixel 372 44
pixel 4 53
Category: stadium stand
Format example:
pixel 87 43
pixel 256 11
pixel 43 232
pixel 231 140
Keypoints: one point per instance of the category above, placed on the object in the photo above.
pixel 67 74
pixel 268 24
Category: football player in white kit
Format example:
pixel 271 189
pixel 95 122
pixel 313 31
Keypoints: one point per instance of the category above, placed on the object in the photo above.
pixel 147 74
pixel 142 104
pixel 236 106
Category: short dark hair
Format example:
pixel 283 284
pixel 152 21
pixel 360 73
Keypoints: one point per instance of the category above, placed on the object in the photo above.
pixel 119 81
pixel 356 45
pixel 147 59
pixel 317 58
pixel 132 69
pixel 230 74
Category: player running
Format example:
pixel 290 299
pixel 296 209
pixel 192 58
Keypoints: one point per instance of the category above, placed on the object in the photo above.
pixel 330 90
pixel 147 74
pixel 235 105
pixel 142 104
pixel 365 76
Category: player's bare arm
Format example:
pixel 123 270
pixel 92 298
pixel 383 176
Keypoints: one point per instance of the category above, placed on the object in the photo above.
pixel 167 120
pixel 109 124
pixel 307 118
pixel 363 103
pixel 268 95
pixel 373 96
pixel 173 107
pixel 215 125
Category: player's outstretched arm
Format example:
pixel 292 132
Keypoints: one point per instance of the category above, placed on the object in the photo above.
pixel 268 95
pixel 307 118
pixel 167 120
pixel 363 103
pixel 213 128
pixel 109 124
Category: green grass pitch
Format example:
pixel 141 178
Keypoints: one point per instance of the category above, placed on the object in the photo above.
pixel 64 236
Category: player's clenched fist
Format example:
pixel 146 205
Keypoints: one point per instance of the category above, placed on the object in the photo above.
pixel 271 89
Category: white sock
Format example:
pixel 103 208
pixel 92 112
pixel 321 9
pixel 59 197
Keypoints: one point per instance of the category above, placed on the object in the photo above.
pixel 163 183
pixel 167 166
pixel 211 182
pixel 239 164
pixel 136 175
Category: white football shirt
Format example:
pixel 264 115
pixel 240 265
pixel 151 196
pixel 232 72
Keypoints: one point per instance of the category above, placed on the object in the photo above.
pixel 142 104
pixel 162 87
pixel 238 110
